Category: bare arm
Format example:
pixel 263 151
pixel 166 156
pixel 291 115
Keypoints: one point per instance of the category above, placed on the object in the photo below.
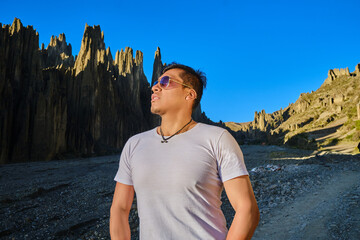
pixel 242 199
pixel 119 211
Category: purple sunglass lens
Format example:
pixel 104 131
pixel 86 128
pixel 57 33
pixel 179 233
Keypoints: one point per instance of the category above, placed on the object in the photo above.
pixel 164 81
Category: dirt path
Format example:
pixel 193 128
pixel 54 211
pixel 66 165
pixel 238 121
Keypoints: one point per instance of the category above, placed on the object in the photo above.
pixel 311 215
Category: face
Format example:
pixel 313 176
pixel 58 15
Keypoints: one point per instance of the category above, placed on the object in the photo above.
pixel 171 99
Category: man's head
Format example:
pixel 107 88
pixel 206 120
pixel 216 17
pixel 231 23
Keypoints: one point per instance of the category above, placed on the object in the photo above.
pixel 185 85
pixel 196 79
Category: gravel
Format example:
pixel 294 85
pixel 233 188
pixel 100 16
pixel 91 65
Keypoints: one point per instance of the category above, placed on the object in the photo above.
pixel 71 199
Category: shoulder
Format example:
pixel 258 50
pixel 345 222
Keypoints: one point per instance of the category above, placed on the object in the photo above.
pixel 133 141
pixel 220 137
pixel 212 130
pixel 142 135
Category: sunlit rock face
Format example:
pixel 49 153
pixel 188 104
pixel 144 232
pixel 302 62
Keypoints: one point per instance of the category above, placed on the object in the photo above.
pixel 325 119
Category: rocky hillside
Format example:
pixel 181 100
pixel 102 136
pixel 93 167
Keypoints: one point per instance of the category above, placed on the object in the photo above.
pixel 325 119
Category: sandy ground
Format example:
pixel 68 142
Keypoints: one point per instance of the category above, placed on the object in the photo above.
pixel 301 195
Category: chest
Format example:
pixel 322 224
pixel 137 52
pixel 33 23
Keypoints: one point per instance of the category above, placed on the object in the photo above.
pixel 174 168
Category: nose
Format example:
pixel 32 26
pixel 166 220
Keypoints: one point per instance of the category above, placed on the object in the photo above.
pixel 155 88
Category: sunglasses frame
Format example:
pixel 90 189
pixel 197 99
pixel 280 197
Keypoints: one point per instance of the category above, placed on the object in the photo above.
pixel 170 79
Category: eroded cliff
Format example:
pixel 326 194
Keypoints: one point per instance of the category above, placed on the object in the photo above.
pixel 325 119
pixel 52 106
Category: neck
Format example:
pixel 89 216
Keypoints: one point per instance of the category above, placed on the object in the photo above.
pixel 170 124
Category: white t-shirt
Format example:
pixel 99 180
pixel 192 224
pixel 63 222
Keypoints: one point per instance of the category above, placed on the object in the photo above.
pixel 178 184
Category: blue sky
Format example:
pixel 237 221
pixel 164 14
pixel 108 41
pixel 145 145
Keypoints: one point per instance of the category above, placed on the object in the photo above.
pixel 256 54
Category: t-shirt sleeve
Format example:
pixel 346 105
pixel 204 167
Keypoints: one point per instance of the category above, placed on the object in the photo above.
pixel 123 174
pixel 230 158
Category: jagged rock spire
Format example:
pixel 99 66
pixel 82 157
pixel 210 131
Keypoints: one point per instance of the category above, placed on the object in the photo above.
pixel 129 60
pixel 58 52
pixel 158 66
pixel 125 61
pixel 108 54
pixel 92 49
pixel 139 58
pixel 109 57
pixel 119 60
pixel 16 26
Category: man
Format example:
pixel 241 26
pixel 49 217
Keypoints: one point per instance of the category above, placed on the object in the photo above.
pixel 178 171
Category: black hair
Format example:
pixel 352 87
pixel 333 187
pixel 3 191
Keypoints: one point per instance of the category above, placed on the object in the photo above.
pixel 195 78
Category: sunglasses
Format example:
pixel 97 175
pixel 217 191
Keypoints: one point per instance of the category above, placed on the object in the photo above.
pixel 165 82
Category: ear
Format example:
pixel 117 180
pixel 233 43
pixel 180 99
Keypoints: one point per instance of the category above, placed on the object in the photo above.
pixel 191 95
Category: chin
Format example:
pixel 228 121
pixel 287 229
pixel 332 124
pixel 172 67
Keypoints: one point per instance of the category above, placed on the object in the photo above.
pixel 154 110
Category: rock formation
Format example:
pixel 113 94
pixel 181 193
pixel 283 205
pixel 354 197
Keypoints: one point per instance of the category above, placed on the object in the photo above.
pixel 20 80
pixel 357 69
pixel 316 120
pixel 334 73
pixel 52 106
pixel 57 53
pixel 157 67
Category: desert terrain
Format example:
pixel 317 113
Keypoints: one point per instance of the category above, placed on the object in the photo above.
pixel 301 194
